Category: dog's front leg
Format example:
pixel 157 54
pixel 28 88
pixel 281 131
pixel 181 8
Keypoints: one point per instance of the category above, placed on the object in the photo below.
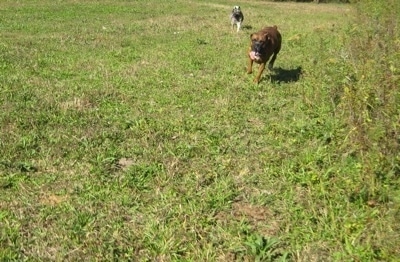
pixel 260 71
pixel 250 66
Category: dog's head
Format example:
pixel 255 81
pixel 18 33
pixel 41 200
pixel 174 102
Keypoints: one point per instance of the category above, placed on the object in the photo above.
pixel 236 10
pixel 259 43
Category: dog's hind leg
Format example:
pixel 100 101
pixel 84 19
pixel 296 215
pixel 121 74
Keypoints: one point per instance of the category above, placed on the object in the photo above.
pixel 276 52
pixel 271 63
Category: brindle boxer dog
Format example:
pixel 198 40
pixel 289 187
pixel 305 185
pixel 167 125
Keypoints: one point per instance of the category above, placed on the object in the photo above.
pixel 264 43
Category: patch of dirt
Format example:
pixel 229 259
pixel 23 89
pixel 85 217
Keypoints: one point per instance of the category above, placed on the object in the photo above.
pixel 52 200
pixel 125 163
pixel 253 213
pixel 256 122
pixel 313 253
pixel 261 218
pixel 229 256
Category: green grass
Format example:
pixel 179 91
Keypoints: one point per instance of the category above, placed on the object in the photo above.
pixel 129 130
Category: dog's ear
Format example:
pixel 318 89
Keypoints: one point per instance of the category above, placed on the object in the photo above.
pixel 267 37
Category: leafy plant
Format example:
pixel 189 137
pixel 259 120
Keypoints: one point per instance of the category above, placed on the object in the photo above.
pixel 264 249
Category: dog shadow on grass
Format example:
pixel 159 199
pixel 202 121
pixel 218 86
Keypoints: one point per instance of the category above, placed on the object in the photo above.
pixel 247 27
pixel 286 75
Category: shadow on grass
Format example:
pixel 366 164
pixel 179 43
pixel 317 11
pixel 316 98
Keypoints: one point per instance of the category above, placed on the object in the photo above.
pixel 247 27
pixel 286 75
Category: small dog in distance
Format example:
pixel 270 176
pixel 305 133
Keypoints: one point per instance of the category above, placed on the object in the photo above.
pixel 237 18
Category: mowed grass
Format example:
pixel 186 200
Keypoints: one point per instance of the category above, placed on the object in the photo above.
pixel 129 131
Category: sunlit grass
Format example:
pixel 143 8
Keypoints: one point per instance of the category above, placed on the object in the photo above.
pixel 130 131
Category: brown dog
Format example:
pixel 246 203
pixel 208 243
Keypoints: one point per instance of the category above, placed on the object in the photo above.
pixel 263 44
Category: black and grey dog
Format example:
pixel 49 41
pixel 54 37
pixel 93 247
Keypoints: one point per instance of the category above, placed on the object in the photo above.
pixel 237 18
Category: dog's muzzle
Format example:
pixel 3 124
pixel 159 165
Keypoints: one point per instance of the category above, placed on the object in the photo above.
pixel 237 16
pixel 256 50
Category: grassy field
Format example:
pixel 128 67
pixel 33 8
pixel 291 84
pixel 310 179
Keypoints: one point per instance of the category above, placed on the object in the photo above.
pixel 129 131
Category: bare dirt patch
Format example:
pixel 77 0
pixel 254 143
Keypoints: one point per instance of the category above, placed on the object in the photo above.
pixel 261 218
pixel 52 200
